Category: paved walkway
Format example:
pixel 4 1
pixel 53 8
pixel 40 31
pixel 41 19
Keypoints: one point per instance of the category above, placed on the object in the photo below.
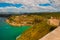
pixel 54 35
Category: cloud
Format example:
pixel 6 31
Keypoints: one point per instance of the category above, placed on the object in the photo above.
pixel 30 6
pixel 25 9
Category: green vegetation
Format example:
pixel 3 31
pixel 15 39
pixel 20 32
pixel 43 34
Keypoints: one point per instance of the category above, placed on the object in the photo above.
pixel 36 32
pixel 40 28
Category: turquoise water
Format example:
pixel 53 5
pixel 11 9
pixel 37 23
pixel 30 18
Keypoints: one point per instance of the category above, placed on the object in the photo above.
pixel 8 32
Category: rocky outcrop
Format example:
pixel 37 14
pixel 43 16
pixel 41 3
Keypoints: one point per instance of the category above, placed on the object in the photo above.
pixel 53 21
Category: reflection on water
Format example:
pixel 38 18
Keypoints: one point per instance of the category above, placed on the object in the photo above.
pixel 8 32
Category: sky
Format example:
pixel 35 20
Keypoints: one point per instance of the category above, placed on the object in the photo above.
pixel 3 4
pixel 30 6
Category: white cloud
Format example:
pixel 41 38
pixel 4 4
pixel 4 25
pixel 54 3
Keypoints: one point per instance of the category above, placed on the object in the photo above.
pixel 29 6
pixel 25 9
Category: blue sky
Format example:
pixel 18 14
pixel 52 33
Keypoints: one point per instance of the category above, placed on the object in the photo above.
pixel 3 4
pixel 46 4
